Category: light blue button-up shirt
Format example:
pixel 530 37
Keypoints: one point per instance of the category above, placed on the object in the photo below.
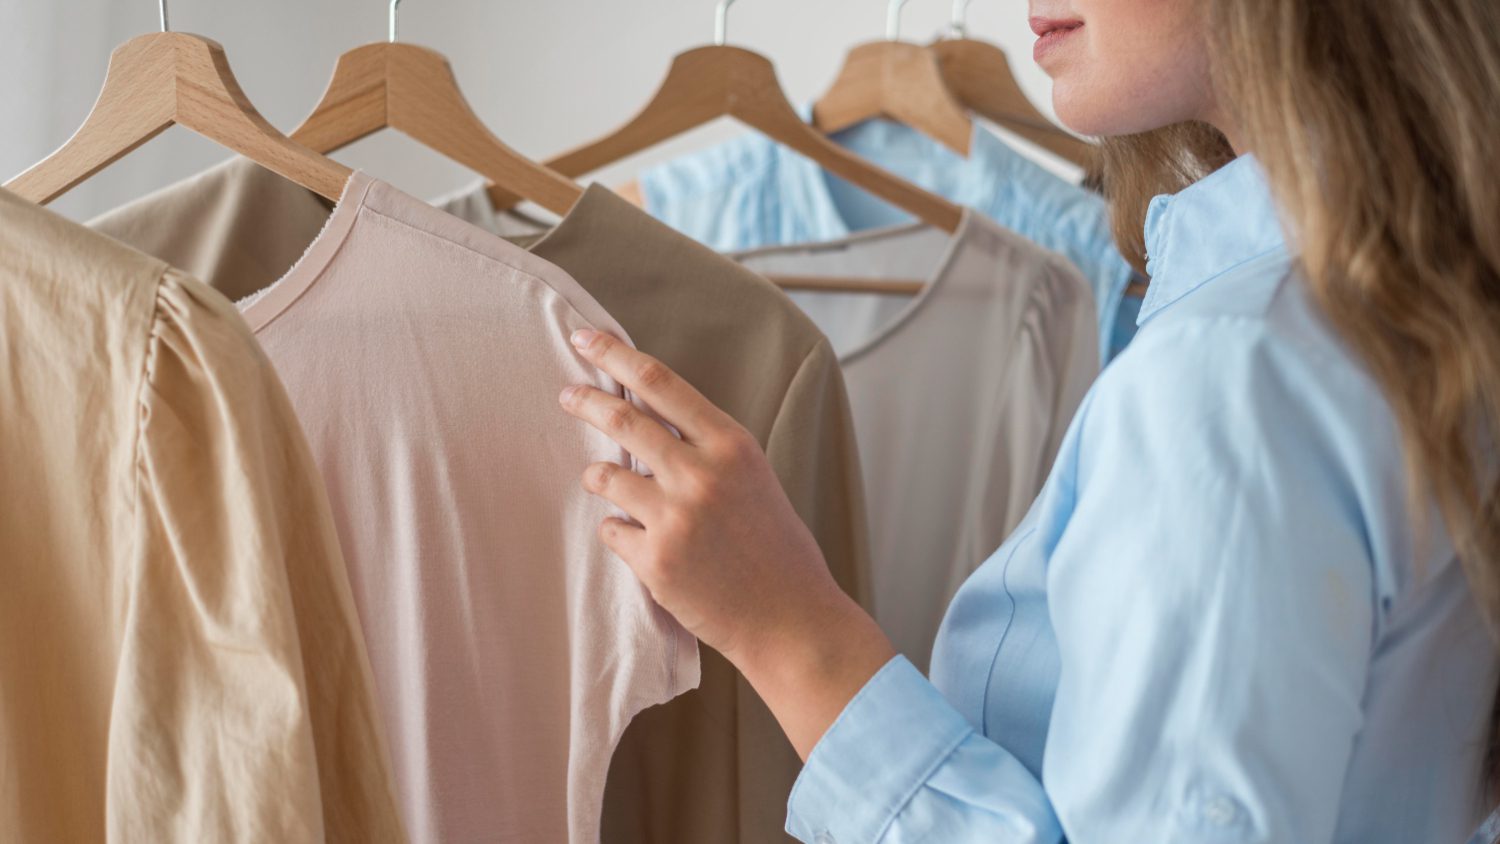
pixel 1217 623
pixel 751 192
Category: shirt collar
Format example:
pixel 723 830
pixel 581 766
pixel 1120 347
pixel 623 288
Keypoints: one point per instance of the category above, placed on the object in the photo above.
pixel 1210 227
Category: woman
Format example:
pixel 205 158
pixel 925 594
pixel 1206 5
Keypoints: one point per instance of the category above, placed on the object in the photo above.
pixel 1250 602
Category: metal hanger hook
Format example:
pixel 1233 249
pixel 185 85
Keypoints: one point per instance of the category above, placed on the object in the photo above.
pixel 395 4
pixel 162 4
pixel 721 21
pixel 959 25
pixel 893 19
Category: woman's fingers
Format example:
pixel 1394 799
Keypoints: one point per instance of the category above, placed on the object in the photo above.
pixel 622 422
pixel 662 389
pixel 628 541
pixel 639 497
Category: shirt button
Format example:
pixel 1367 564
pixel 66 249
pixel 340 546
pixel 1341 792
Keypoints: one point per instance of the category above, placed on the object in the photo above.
pixel 1221 811
pixel 824 837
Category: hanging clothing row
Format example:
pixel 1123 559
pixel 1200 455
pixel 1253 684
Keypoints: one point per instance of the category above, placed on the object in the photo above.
pixel 318 561
pixel 897 104
pixel 720 326
pixel 1030 271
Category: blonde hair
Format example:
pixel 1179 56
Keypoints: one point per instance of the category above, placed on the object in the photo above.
pixel 1376 122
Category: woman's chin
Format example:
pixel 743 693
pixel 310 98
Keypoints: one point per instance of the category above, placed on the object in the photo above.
pixel 1081 115
pixel 1093 112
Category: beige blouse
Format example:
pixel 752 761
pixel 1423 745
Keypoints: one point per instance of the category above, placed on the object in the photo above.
pixel 178 642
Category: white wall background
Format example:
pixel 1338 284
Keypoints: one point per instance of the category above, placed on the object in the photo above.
pixel 545 74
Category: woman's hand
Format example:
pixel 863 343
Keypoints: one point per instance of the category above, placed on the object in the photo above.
pixel 720 547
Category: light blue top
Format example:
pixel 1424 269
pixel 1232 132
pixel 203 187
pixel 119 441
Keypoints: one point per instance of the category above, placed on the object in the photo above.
pixel 1489 831
pixel 752 192
pixel 1215 624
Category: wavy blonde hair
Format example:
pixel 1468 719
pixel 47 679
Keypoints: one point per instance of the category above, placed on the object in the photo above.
pixel 1377 122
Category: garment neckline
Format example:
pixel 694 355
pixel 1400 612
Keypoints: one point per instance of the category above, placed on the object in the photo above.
pixel 937 281
pixel 262 307
pixel 555 230
pixel 936 285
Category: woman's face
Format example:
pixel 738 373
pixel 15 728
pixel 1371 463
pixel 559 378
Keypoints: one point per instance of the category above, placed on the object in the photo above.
pixel 1124 66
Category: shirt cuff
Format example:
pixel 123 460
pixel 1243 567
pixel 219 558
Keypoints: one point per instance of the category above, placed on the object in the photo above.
pixel 880 751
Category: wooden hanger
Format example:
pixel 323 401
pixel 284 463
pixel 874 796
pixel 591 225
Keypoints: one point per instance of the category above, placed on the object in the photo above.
pixel 707 83
pixel 166 78
pixel 898 80
pixel 720 81
pixel 413 90
pixel 980 77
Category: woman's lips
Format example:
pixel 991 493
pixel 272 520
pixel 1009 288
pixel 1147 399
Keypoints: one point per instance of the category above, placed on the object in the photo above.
pixel 1051 33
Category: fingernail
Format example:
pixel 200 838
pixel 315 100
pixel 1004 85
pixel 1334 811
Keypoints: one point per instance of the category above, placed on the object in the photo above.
pixel 583 337
pixel 567 394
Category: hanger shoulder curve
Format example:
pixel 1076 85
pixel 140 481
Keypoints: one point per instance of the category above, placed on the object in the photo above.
pixel 980 76
pixel 136 103
pixel 426 103
pixel 847 284
pixel 413 90
pixel 221 112
pixel 898 80
pixel 154 81
pixel 707 83
pixel 353 105
pixel 769 112
pixel 693 93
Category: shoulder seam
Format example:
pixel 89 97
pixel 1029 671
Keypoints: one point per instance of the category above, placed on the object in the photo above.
pixel 500 261
pixel 147 377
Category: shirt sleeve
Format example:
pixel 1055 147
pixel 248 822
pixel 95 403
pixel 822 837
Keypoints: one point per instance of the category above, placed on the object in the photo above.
pixel 244 708
pixel 1211 589
pixel 812 449
pixel 901 765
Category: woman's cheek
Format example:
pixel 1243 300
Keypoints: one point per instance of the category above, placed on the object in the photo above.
pixel 1137 65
